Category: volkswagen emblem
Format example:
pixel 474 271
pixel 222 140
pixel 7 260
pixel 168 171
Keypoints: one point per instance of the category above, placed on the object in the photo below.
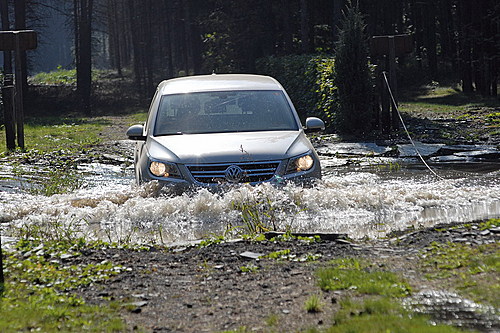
pixel 234 174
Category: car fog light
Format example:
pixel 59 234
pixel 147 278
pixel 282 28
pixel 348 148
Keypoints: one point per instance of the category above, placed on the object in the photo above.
pixel 304 163
pixel 159 169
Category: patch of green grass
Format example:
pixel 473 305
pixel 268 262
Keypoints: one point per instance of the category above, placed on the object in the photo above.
pixel 60 76
pixel 38 291
pixel 137 118
pixel 472 270
pixel 493 117
pixel 381 315
pixel 279 255
pixel 51 134
pixel 491 223
pixel 250 268
pixel 70 134
pixel 314 304
pixel 358 276
pixel 427 106
pixel 444 100
pixel 48 312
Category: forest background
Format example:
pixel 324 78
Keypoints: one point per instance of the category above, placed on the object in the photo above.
pixel 454 40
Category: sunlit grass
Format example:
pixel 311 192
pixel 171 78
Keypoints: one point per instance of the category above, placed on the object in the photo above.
pixel 444 100
pixel 38 293
pixel 60 76
pixel 51 133
pixel 137 118
pixel 473 270
pixel 381 315
pixel 353 274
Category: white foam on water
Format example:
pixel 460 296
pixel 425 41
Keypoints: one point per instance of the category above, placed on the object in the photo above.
pixel 359 204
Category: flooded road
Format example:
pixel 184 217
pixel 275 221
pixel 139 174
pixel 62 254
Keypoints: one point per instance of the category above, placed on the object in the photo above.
pixel 359 196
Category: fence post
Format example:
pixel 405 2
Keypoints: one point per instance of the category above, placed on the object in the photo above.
pixel 19 93
pixel 8 110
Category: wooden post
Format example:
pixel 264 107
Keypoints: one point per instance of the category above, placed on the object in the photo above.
pixel 18 41
pixel 387 48
pixel 393 83
pixel 19 93
pixel 8 111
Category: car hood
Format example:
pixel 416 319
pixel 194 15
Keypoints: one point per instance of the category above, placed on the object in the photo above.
pixel 228 147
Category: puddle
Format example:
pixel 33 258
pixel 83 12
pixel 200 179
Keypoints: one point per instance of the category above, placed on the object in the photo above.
pixel 451 309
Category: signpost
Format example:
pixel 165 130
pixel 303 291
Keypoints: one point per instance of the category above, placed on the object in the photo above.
pixel 17 41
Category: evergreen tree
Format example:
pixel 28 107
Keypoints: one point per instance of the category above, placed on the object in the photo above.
pixel 352 76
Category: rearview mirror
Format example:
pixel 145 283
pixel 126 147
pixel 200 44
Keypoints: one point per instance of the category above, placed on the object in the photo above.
pixel 136 132
pixel 314 124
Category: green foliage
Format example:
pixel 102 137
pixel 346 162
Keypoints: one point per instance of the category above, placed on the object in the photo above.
pixel 448 259
pixel 55 133
pixel 279 255
pixel 381 315
pixel 253 216
pixel 250 268
pixel 38 291
pixel 60 76
pixel 219 55
pixel 308 79
pixel 473 270
pixel 314 303
pixel 212 240
pixel 326 90
pixel 493 117
pixel 261 213
pixel 355 275
pixel 352 76
pixel 491 223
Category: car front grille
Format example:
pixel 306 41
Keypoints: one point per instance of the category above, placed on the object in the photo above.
pixel 245 172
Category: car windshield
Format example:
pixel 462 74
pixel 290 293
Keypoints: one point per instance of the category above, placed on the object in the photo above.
pixel 224 111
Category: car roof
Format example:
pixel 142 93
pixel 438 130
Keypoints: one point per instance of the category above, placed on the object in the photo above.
pixel 218 82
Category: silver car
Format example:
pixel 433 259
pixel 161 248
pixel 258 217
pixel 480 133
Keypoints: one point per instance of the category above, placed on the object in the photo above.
pixel 215 130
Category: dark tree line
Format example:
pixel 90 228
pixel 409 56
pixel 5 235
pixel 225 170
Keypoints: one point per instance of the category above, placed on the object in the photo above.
pixel 158 39
pixel 165 38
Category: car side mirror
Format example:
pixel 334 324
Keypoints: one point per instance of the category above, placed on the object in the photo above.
pixel 136 132
pixel 314 124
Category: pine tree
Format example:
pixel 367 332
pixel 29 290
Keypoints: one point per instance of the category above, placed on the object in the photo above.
pixel 352 76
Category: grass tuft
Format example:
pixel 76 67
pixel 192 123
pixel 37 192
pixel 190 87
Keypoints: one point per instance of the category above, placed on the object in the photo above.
pixel 352 274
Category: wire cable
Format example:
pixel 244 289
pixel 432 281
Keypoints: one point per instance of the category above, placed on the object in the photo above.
pixel 406 129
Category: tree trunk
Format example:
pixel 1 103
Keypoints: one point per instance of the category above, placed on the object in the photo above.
pixel 7 55
pixel 430 37
pixel 304 26
pixel 83 43
pixel 114 36
pixel 465 48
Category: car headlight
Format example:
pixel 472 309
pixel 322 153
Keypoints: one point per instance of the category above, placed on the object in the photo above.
pixel 162 169
pixel 301 163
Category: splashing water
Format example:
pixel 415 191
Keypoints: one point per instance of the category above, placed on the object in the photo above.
pixel 357 203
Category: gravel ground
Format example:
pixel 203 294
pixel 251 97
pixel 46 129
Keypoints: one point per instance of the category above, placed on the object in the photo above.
pixel 205 289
